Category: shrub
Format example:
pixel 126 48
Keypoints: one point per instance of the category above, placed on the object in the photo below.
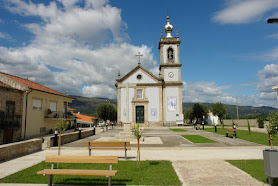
pixel 260 121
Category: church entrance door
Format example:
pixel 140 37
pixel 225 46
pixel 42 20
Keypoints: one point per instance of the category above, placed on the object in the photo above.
pixel 140 114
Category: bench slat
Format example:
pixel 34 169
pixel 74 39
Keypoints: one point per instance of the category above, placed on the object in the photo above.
pixel 81 159
pixel 231 129
pixel 103 148
pixel 78 172
pixel 108 143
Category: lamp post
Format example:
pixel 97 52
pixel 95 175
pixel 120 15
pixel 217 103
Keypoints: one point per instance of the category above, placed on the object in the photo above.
pixel 272 20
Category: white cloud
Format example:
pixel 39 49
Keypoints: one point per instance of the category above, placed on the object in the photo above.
pixel 88 44
pixel 206 92
pixel 6 36
pixel 244 11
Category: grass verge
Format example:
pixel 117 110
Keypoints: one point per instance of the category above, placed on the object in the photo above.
pixel 256 137
pixel 178 130
pixel 150 173
pixel 253 167
pixel 198 139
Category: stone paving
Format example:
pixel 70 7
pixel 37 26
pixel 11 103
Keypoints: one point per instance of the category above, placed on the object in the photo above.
pixel 195 164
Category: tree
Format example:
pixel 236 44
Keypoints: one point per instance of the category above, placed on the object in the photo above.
pixel 199 110
pixel 61 127
pixel 137 132
pixel 189 114
pixel 273 119
pixel 218 109
pixel 107 111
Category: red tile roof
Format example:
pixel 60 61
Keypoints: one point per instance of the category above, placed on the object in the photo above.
pixel 84 117
pixel 35 86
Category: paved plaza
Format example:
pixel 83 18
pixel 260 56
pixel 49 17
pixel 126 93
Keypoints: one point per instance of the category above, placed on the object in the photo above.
pixel 195 164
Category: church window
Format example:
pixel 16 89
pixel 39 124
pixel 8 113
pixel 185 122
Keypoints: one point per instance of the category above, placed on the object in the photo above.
pixel 139 94
pixel 170 53
pixel 139 76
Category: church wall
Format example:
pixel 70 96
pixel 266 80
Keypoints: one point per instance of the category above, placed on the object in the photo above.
pixel 131 96
pixel 152 95
pixel 171 92
pixel 133 78
pixel 175 71
pixel 123 105
pixel 175 48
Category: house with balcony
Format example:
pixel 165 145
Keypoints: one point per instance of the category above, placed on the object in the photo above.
pixel 41 106
pixel 11 109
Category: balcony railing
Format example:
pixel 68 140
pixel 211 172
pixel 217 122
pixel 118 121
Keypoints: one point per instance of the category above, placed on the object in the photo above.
pixel 58 114
pixel 7 122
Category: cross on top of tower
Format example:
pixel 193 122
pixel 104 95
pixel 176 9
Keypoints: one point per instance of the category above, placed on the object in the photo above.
pixel 138 55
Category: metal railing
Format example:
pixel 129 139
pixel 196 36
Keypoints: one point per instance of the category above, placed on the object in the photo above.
pixel 58 114
pixel 7 122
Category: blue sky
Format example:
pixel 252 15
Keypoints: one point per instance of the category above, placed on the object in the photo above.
pixel 227 51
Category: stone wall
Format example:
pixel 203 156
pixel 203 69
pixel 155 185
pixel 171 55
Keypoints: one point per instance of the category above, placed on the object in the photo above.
pixel 13 150
pixel 68 137
pixel 242 122
pixel 9 94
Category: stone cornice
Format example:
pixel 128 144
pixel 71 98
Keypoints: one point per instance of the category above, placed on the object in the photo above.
pixel 170 65
pixel 150 84
pixel 173 84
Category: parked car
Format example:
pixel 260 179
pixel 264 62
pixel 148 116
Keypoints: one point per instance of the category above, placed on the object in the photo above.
pixel 101 123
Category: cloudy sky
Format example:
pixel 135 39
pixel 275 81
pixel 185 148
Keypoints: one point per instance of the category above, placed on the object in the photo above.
pixel 227 51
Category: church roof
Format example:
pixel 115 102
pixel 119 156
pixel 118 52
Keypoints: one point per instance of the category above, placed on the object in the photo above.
pixel 134 70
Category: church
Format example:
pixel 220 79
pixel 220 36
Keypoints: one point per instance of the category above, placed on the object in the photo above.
pixel 144 98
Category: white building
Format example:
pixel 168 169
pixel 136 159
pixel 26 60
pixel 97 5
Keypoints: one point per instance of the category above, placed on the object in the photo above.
pixel 147 99
pixel 212 119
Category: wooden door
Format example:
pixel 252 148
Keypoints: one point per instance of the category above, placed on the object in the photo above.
pixel 8 136
pixel 140 114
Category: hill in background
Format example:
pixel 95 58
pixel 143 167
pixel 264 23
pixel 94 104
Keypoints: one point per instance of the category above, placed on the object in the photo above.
pixel 88 106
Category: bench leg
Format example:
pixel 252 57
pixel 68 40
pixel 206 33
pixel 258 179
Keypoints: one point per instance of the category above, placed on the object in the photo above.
pixel 109 180
pixel 50 180
pixel 125 150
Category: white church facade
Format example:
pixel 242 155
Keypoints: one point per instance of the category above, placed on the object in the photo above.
pixel 147 99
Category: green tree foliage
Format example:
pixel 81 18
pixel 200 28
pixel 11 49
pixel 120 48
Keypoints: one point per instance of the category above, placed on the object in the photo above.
pixel 199 110
pixel 219 110
pixel 188 114
pixel 260 121
pixel 107 111
pixel 273 119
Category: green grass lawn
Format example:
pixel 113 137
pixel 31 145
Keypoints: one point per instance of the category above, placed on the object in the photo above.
pixel 178 130
pixel 198 139
pixel 253 167
pixel 256 137
pixel 150 173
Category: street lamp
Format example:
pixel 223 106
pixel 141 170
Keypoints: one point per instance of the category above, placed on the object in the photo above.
pixel 272 20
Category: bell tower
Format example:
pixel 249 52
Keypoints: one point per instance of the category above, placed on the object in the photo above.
pixel 170 70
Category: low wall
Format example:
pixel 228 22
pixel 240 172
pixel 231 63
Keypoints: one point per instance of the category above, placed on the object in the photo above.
pixel 243 122
pixel 68 137
pixel 13 150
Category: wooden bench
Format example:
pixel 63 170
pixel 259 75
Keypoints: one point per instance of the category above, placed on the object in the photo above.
pixel 231 131
pixel 79 159
pixel 108 145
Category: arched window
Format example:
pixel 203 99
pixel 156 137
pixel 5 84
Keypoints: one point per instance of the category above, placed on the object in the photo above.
pixel 170 55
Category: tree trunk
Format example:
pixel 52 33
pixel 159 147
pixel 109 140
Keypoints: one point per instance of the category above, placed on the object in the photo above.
pixel 138 141
pixel 59 144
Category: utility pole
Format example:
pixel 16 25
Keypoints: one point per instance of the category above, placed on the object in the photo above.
pixel 237 108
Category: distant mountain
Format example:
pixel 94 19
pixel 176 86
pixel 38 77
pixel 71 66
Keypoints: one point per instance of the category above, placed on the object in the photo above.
pixel 244 111
pixel 88 106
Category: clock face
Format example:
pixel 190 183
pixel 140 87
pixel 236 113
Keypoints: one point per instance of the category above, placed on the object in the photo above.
pixel 171 74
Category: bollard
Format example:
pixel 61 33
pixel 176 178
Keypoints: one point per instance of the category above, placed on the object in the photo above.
pixel 215 128
pixel 79 134
pixel 94 131
pixel 106 127
pixel 55 143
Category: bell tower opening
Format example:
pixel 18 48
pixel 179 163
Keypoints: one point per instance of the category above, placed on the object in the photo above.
pixel 170 53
